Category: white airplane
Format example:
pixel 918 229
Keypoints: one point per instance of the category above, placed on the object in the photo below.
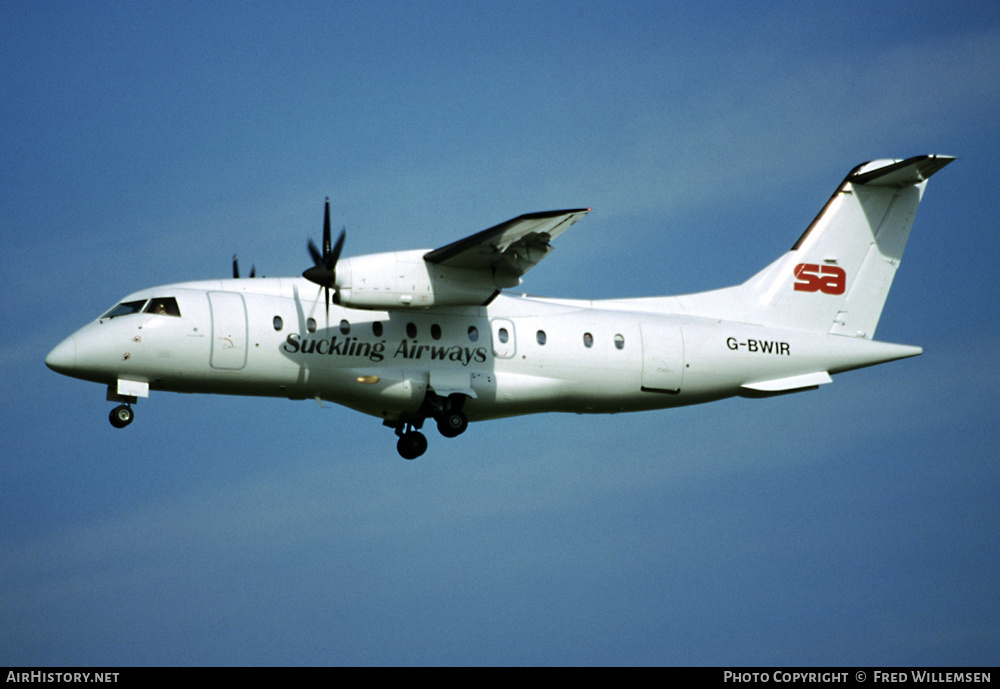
pixel 414 335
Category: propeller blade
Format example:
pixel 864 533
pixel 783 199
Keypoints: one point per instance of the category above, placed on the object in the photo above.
pixel 326 231
pixel 324 270
pixel 236 269
pixel 317 257
pixel 331 261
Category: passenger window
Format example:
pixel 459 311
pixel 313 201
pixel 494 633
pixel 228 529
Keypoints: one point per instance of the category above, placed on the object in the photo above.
pixel 345 327
pixel 502 335
pixel 165 306
pixel 377 329
pixel 278 323
pixel 311 325
pixel 436 331
pixel 619 342
pixel 125 308
pixel 473 333
pixel 540 336
pixel 588 340
pixel 411 330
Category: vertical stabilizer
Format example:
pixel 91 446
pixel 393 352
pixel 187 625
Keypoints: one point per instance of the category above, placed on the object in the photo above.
pixel 837 276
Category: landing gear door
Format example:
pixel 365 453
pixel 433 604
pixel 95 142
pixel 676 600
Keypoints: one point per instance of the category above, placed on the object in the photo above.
pixel 229 330
pixel 503 339
pixel 662 357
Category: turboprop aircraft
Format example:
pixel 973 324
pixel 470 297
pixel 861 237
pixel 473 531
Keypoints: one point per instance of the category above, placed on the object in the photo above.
pixel 416 335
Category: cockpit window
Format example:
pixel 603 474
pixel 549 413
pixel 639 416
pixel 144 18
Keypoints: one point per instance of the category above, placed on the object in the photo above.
pixel 163 305
pixel 125 308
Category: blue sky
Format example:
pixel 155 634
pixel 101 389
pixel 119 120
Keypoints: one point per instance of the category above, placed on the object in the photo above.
pixel 145 144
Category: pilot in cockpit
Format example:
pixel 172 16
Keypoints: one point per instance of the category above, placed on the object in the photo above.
pixel 166 306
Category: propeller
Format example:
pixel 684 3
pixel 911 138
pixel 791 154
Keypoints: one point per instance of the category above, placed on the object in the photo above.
pixel 324 270
pixel 236 269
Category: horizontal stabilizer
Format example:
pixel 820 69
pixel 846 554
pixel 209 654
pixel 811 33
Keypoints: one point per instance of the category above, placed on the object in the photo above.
pixel 837 276
pixel 901 173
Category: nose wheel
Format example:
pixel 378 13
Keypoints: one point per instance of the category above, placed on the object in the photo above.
pixel 121 416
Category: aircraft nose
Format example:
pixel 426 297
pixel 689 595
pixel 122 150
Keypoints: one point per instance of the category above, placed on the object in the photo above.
pixel 62 359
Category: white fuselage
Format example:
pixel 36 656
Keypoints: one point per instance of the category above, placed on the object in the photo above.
pixel 418 335
pixel 518 355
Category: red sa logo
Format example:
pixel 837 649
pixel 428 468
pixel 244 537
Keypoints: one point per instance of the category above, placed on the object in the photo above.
pixel 816 278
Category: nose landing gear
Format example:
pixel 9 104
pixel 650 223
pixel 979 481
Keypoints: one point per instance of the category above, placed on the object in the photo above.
pixel 121 416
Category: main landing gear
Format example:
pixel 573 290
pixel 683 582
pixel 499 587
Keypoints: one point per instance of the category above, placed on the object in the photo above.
pixel 446 411
pixel 412 443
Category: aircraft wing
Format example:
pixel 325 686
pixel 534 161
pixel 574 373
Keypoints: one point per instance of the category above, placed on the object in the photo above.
pixel 512 247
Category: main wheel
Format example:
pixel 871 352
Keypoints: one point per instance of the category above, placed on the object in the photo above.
pixel 411 445
pixel 121 416
pixel 452 424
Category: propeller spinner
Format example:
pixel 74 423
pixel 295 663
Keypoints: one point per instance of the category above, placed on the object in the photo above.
pixel 324 272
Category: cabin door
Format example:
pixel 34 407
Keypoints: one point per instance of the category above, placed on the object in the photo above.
pixel 229 330
pixel 662 357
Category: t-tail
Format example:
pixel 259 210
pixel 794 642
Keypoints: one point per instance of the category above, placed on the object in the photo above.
pixel 837 276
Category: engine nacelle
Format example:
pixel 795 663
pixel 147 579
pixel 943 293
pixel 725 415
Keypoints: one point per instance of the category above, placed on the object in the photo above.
pixel 404 280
